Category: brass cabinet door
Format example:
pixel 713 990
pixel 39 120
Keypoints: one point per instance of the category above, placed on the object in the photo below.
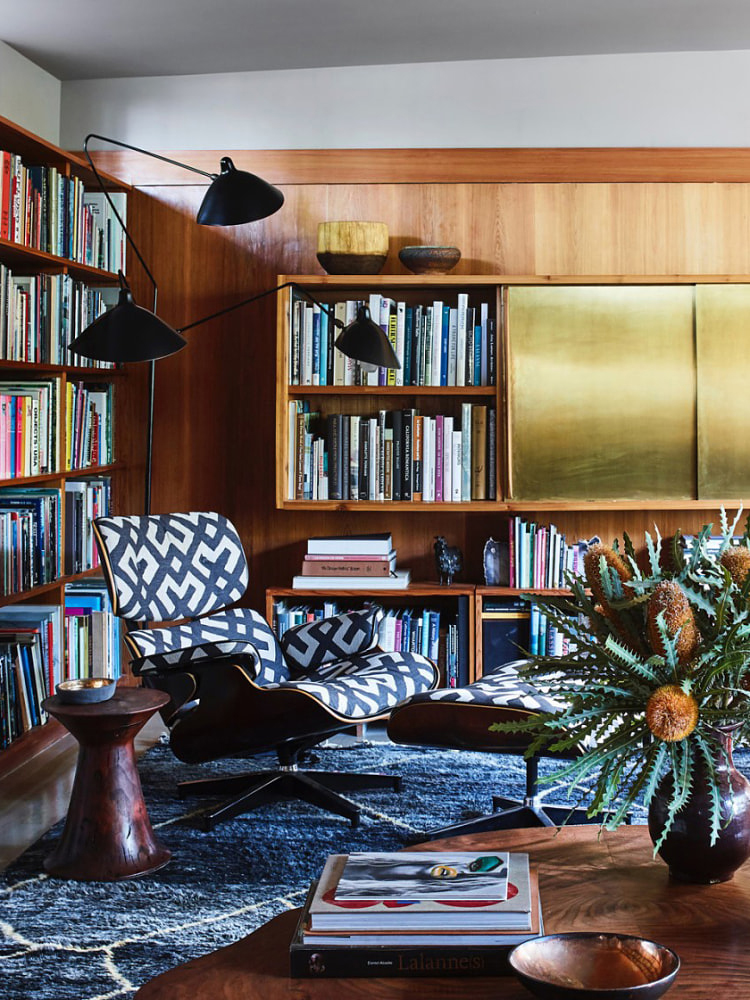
pixel 601 392
pixel 723 353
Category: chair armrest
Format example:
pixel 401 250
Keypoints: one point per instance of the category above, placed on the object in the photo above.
pixel 307 647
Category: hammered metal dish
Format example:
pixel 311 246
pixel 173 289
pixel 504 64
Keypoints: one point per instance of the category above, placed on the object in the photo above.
pixel 583 966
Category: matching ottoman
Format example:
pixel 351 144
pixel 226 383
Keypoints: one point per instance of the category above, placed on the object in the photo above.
pixel 460 719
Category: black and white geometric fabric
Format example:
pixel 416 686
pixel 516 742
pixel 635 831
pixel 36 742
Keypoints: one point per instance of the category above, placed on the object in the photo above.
pixel 366 686
pixel 307 647
pixel 164 567
pixel 225 633
pixel 175 566
pixel 503 687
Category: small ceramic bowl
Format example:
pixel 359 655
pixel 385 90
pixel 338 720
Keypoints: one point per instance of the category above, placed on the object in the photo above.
pixel 429 260
pixel 86 691
pixel 586 965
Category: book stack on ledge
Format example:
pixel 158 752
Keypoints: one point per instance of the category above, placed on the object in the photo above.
pixel 436 913
pixel 351 562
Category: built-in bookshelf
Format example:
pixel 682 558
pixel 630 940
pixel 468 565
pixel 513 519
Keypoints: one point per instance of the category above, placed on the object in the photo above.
pixel 423 433
pixel 535 427
pixel 60 250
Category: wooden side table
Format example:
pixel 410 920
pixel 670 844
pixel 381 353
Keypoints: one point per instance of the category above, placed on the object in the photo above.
pixel 107 834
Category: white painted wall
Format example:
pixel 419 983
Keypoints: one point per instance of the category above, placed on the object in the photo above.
pixel 29 96
pixel 652 99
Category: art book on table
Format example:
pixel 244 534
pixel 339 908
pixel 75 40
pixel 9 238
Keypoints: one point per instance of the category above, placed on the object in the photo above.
pixel 389 912
pixel 465 875
pixel 315 954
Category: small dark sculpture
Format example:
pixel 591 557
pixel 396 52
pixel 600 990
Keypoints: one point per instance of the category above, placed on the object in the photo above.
pixel 448 559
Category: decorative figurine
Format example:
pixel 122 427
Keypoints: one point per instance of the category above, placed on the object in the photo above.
pixel 448 559
pixel 494 555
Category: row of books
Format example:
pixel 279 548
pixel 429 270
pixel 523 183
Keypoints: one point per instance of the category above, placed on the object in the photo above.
pixel 90 425
pixel 432 633
pixel 540 556
pixel 436 343
pixel 29 431
pixel 85 499
pixel 30 534
pixel 43 644
pixel 41 314
pixel 92 632
pixel 43 209
pixel 416 914
pixel 394 456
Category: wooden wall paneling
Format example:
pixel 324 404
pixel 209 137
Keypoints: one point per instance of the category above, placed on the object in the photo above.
pixel 617 212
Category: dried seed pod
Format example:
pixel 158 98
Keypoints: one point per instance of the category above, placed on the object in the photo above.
pixel 671 713
pixel 593 573
pixel 669 598
pixel 737 561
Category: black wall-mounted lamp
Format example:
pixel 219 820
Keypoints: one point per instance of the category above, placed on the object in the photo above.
pixel 128 332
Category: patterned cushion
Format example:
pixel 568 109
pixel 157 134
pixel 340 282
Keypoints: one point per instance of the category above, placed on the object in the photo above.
pixel 166 567
pixel 368 685
pixel 239 630
pixel 502 687
pixel 307 647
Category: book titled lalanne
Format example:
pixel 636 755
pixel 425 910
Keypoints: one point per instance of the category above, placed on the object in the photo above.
pixel 442 952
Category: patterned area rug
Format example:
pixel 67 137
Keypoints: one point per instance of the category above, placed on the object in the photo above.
pixel 64 940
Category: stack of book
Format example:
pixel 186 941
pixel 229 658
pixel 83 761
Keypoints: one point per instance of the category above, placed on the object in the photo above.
pixel 351 562
pixel 433 913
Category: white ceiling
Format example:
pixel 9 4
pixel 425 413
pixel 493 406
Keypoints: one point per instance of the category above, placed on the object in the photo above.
pixel 87 39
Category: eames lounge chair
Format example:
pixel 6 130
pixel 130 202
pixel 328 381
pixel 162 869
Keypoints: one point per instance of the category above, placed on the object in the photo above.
pixel 235 689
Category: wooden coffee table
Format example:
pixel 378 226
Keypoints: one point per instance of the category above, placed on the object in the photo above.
pixel 610 883
pixel 107 834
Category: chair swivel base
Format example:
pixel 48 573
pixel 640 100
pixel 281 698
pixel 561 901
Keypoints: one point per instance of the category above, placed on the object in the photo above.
pixel 511 814
pixel 256 788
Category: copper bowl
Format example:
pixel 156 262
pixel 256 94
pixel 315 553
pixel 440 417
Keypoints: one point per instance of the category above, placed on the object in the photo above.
pixel 582 966
pixel 86 690
pixel 429 260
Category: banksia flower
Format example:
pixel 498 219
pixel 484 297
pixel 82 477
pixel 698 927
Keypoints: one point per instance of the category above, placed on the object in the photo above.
pixel 593 571
pixel 671 713
pixel 669 598
pixel 737 561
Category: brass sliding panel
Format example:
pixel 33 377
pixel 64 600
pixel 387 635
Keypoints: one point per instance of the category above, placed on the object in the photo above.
pixel 723 350
pixel 602 392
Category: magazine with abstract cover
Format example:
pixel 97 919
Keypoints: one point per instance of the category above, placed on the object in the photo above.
pixel 514 911
pixel 415 875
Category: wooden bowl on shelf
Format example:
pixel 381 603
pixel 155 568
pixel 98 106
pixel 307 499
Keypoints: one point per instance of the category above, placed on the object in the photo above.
pixel 429 259
pixel 352 247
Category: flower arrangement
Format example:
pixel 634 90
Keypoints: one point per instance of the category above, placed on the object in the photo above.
pixel 658 658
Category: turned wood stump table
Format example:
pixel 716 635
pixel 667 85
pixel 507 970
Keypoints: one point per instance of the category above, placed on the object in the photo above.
pixel 108 833
pixel 586 882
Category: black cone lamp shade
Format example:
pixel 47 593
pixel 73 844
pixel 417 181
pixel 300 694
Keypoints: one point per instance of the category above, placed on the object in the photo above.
pixel 364 341
pixel 236 196
pixel 128 332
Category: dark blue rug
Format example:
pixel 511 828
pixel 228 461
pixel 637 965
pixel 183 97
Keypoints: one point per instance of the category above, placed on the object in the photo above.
pixel 64 940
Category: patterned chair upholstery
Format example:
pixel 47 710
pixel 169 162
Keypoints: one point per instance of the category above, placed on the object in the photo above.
pixel 235 689
pixel 460 719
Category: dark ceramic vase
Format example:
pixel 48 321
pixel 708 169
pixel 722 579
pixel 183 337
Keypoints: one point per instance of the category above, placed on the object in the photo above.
pixel 687 848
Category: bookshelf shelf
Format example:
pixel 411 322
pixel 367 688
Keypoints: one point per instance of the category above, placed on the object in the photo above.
pixel 50 411
pixel 16 255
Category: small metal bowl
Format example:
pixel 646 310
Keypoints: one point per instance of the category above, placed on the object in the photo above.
pixel 583 966
pixel 86 691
